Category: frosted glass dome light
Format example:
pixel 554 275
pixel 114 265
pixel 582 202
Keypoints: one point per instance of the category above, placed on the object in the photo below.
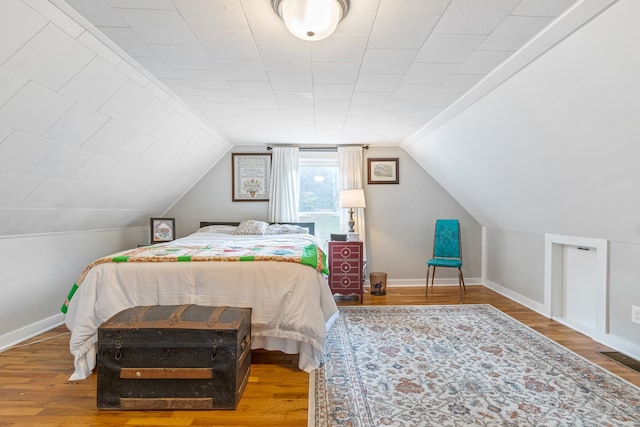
pixel 311 19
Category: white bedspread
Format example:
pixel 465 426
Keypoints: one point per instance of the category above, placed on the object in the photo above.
pixel 293 307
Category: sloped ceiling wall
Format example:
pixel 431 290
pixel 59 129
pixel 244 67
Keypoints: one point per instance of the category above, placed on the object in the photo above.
pixel 554 149
pixel 87 141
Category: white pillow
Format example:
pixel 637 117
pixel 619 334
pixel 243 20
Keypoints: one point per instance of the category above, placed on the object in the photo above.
pixel 251 226
pixel 220 228
pixel 286 229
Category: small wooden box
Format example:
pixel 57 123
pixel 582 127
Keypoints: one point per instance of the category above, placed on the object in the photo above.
pixel 174 357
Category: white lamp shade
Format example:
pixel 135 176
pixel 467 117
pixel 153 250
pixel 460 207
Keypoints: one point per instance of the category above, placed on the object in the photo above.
pixel 311 19
pixel 353 198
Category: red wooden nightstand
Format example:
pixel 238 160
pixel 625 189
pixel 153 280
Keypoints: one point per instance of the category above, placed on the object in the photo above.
pixel 346 268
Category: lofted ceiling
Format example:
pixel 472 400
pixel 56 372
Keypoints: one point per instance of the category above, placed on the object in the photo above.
pixel 110 110
pixel 391 66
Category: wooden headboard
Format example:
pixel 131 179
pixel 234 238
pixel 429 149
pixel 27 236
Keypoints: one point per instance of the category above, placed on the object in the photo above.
pixel 310 225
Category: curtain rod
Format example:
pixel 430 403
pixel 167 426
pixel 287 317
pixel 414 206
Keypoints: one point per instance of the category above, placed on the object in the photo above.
pixel 318 147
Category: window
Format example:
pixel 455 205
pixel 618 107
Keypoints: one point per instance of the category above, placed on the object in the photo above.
pixel 319 192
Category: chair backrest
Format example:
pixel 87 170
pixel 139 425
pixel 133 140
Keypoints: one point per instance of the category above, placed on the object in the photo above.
pixel 446 242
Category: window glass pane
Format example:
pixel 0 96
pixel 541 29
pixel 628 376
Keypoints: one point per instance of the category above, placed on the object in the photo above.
pixel 319 193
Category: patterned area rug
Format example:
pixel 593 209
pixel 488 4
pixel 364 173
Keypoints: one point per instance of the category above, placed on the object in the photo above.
pixel 467 365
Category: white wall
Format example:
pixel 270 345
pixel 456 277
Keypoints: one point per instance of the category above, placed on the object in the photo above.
pixel 400 218
pixel 555 149
pixel 38 272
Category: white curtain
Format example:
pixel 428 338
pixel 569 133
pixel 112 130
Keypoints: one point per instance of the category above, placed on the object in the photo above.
pixel 350 169
pixel 284 185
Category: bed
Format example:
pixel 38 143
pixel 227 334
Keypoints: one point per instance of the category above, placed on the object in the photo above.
pixel 276 269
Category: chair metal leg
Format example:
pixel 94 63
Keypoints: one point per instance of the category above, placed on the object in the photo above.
pixel 433 276
pixel 461 283
pixel 426 292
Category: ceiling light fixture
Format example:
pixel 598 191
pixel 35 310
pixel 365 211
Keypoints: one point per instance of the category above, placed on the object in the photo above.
pixel 311 19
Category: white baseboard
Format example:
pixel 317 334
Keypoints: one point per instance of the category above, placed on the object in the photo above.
pixel 520 299
pixel 15 337
pixel 422 282
pixel 623 346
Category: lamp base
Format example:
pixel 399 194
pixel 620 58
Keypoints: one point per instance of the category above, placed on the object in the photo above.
pixel 353 237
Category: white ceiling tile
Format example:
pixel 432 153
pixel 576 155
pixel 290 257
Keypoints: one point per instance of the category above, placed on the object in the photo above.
pixel 127 102
pixel 159 155
pixel 228 44
pixel 344 48
pixel 294 98
pixel 97 12
pixel 514 31
pixel 213 14
pixel 340 73
pixel 179 86
pixel 483 61
pixel 10 84
pixel 204 79
pixel 129 40
pixel 62 162
pixel 99 48
pixel 257 89
pixel 83 86
pixel 401 31
pixel 387 61
pixel 124 174
pixel 333 91
pixel 428 73
pixel 15 187
pixel 190 57
pixel 51 58
pixel 20 152
pixel 34 109
pixel 413 7
pixel 366 109
pixel 473 16
pixel 291 81
pixel 551 8
pixel 18 24
pixel 133 73
pixel 460 83
pixel 158 67
pixel 57 17
pixel 76 126
pixel 407 91
pixel 150 116
pixel 109 137
pixel 169 127
pixel 158 26
pixel 134 146
pixel 286 60
pixel 4 132
pixel 94 168
pixel 141 4
pixel 184 135
pixel 448 48
pixel 260 103
pixel 242 69
pixel 337 105
pixel 440 99
pixel 378 82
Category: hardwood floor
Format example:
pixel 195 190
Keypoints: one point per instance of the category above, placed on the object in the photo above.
pixel 34 390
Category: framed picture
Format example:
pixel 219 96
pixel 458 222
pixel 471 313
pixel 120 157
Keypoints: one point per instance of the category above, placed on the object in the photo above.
pixel 163 230
pixel 383 171
pixel 250 177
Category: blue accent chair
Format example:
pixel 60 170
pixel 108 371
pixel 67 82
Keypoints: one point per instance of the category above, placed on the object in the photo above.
pixel 447 251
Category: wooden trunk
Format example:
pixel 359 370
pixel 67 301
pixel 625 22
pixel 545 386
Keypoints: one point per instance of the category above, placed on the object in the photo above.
pixel 174 357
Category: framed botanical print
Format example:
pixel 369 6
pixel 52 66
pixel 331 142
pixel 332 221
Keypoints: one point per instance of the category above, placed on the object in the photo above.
pixel 383 171
pixel 250 177
pixel 163 230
